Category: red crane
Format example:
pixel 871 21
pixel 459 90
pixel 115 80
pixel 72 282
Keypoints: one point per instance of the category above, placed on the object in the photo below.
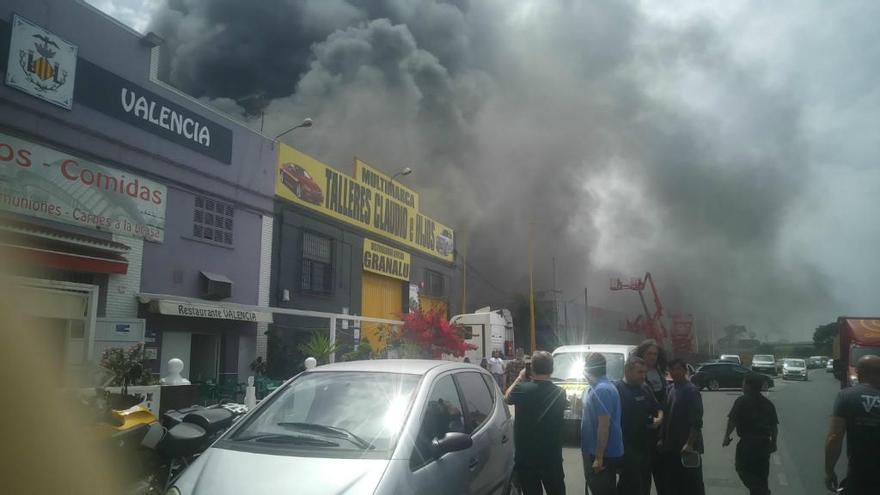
pixel 649 324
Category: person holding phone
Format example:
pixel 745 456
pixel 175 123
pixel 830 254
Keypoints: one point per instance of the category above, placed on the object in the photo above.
pixel 537 432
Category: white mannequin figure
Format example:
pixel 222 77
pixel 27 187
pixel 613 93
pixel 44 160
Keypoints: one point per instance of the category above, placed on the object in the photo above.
pixel 175 366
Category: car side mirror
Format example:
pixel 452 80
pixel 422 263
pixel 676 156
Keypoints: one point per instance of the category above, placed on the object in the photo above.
pixel 452 442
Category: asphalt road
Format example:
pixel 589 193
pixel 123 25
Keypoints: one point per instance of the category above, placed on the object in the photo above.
pixel 795 469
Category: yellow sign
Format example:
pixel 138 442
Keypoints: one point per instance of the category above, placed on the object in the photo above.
pixel 378 180
pixel 386 260
pixel 305 181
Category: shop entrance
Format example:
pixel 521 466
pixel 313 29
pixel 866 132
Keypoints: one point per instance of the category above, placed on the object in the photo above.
pixel 381 297
pixel 61 317
pixel 199 352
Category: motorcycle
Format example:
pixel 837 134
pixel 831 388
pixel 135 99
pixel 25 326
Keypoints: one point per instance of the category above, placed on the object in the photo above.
pixel 151 453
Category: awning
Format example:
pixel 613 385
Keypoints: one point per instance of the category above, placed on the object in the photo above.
pixel 42 245
pixel 171 305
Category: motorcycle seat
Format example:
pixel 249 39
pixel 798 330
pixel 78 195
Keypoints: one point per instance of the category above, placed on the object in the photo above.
pixel 212 420
pixel 182 440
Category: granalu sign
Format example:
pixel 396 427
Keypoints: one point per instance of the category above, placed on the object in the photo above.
pixel 386 260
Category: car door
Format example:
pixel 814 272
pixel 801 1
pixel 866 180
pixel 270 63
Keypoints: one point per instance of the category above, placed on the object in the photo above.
pixel 487 466
pixel 723 374
pixel 449 474
pixel 737 374
pixel 706 373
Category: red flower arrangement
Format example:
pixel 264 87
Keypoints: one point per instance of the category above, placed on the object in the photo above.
pixel 432 332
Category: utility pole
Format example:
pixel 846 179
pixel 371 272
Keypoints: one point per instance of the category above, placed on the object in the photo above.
pixel 586 318
pixel 464 279
pixel 555 303
pixel 532 340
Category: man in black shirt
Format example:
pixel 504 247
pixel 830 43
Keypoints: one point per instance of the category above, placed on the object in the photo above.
pixel 857 416
pixel 639 412
pixel 755 420
pixel 537 430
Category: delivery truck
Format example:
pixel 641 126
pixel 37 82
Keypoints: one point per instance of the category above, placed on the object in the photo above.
pixel 487 330
pixel 856 337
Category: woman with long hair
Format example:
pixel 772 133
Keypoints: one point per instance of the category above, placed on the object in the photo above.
pixel 655 362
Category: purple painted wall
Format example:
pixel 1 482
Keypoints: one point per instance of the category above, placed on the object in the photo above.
pixel 182 252
pixel 247 182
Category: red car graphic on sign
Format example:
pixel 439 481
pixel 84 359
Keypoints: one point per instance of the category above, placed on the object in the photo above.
pixel 298 180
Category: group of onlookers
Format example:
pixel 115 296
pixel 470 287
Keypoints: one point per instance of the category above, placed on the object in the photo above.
pixel 646 430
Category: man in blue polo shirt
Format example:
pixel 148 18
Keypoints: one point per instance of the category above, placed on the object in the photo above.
pixel 601 436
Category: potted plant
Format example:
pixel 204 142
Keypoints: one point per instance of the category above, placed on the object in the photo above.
pixel 128 367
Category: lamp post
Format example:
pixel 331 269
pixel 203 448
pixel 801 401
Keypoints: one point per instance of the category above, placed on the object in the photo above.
pixel 404 171
pixel 307 122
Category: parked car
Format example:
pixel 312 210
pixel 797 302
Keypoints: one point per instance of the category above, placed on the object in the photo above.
pixel 814 362
pixel 366 427
pixel 723 374
pixel 795 369
pixel 764 363
pixel 733 358
pixel 301 183
pixel 829 368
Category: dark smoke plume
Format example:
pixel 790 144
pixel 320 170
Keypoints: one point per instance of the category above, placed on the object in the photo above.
pixel 633 139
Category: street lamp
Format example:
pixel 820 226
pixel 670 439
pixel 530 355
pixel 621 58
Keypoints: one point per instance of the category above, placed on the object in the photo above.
pixel 405 171
pixel 307 122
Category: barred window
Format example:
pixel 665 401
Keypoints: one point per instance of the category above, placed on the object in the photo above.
pixel 212 220
pixel 317 263
pixel 434 285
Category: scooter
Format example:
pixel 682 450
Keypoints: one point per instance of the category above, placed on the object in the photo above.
pixel 187 433
pixel 153 453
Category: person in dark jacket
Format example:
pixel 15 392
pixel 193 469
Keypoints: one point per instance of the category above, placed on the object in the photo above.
pixel 537 435
pixel 655 377
pixel 682 436
pixel 639 414
pixel 754 418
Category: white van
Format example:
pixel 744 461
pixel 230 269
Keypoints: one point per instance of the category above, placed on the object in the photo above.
pixel 488 331
pixel 568 371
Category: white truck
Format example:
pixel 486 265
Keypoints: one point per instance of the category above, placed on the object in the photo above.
pixel 488 330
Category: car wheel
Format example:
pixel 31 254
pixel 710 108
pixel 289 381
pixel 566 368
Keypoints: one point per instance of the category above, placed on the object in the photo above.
pixel 714 385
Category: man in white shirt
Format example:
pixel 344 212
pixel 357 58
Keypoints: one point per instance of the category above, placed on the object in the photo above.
pixel 496 367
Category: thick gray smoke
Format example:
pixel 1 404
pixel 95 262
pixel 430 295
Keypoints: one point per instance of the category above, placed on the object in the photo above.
pixel 634 137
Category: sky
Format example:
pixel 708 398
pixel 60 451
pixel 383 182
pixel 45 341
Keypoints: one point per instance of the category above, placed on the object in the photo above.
pixel 730 148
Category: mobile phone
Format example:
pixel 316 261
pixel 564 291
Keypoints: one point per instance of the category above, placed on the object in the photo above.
pixel 528 370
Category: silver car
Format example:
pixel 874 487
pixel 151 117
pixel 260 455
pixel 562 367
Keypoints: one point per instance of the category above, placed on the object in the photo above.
pixel 367 427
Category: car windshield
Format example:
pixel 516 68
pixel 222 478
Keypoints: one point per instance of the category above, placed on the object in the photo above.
pixel 795 363
pixel 858 352
pixel 569 366
pixel 334 410
pixel 762 358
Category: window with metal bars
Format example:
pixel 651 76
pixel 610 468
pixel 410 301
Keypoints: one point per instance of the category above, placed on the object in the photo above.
pixel 213 220
pixel 317 264
pixel 434 285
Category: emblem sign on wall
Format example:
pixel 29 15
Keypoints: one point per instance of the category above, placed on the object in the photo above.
pixel 41 64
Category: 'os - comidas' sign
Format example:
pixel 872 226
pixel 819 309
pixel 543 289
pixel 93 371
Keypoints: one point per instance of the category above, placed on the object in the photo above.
pixel 42 182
